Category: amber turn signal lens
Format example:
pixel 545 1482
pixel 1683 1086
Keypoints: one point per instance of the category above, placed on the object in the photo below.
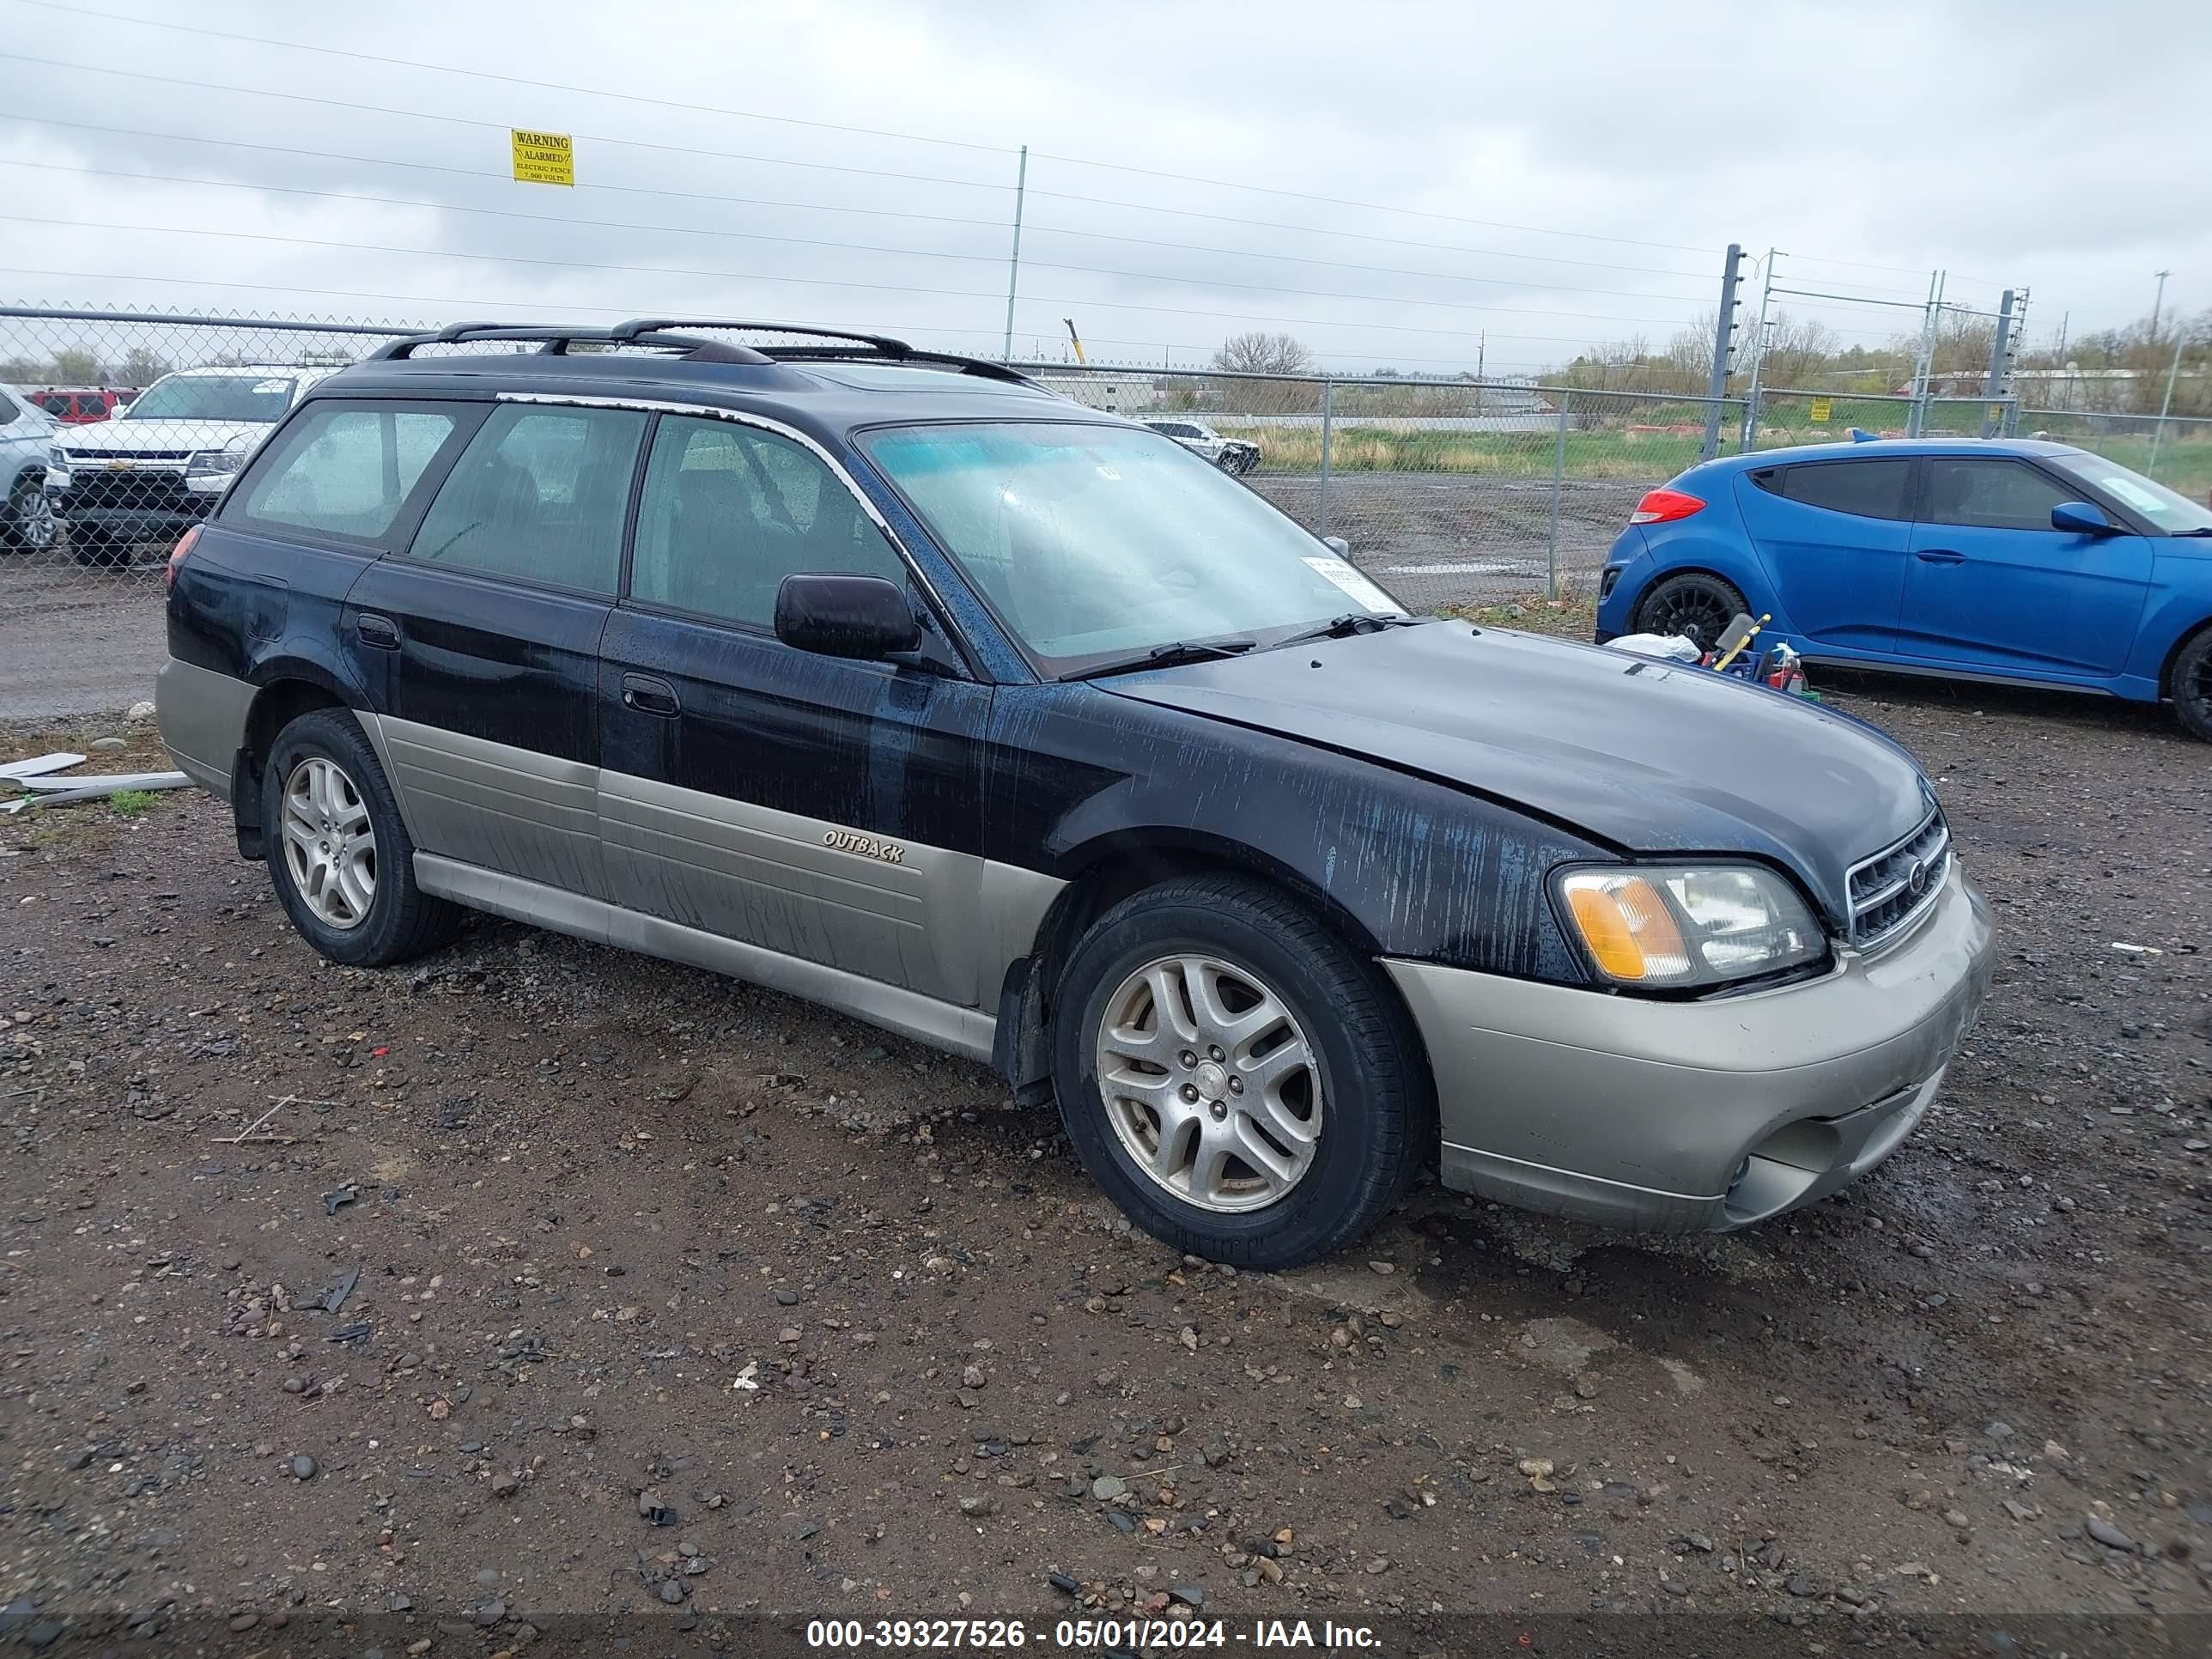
pixel 1630 931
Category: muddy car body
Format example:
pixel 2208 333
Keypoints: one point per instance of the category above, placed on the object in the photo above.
pixel 842 669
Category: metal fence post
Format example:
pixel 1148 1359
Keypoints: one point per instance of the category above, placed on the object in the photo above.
pixel 1328 408
pixel 1559 474
pixel 1994 385
pixel 1723 339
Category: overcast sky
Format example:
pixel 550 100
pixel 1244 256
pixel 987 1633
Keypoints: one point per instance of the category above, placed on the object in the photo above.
pixel 1414 185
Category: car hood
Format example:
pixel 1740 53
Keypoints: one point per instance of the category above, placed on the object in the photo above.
pixel 157 436
pixel 1649 757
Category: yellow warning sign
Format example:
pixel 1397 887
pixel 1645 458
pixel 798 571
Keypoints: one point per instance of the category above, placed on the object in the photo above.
pixel 1822 408
pixel 544 158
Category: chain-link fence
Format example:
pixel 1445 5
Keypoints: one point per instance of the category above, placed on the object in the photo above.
pixel 1457 493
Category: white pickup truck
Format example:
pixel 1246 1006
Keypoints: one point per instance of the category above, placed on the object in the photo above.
pixel 155 469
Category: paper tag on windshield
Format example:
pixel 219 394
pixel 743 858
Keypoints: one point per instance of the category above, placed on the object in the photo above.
pixel 1345 577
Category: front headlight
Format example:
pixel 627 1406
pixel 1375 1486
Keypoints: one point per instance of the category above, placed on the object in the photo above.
pixel 1669 928
pixel 58 457
pixel 215 463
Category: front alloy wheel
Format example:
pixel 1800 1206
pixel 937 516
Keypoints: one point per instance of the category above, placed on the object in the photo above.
pixel 1245 1084
pixel 1209 1084
pixel 329 845
pixel 30 517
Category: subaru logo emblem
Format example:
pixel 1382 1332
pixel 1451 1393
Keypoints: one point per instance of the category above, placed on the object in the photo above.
pixel 1915 879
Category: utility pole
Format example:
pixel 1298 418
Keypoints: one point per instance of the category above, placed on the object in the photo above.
pixel 1014 264
pixel 1723 347
pixel 1993 387
pixel 2158 303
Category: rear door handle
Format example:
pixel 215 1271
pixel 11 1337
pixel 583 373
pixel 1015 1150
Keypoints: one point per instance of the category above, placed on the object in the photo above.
pixel 649 695
pixel 381 632
pixel 1939 556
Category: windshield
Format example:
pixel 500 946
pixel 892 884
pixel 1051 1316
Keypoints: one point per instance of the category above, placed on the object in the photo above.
pixel 262 397
pixel 2174 513
pixel 1096 542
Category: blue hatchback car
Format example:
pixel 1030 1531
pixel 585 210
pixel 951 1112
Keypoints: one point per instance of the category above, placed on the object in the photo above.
pixel 2023 562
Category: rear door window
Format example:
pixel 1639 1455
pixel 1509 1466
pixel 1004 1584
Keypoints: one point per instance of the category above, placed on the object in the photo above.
pixel 729 511
pixel 1991 495
pixel 1867 489
pixel 345 470
pixel 539 494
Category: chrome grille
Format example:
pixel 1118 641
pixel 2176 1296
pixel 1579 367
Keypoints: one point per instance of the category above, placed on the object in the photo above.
pixel 1893 888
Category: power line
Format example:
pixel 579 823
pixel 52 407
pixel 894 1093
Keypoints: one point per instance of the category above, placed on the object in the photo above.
pixel 485 173
pixel 811 282
pixel 846 246
pixel 310 325
pixel 77 13
pixel 109 130
pixel 203 85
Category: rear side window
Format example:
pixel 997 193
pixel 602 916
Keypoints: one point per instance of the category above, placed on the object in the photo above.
pixel 1867 489
pixel 539 494
pixel 1991 495
pixel 728 511
pixel 345 471
pixel 55 406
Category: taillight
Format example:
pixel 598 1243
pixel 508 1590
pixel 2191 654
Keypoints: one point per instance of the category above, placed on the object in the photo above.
pixel 177 557
pixel 1664 506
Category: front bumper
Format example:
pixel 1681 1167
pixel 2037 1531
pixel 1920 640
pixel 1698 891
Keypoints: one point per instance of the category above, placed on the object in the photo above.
pixel 1697 1117
pixel 147 505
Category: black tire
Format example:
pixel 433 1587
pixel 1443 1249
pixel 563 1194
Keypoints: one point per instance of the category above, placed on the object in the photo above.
pixel 28 525
pixel 96 550
pixel 1377 1109
pixel 1694 603
pixel 2190 686
pixel 401 920
pixel 1226 461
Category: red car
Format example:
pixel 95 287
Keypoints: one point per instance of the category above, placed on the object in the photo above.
pixel 73 405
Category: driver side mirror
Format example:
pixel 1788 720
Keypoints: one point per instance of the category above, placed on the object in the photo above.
pixel 867 617
pixel 2082 519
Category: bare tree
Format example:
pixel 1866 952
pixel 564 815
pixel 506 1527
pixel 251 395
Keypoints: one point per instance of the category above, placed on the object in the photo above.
pixel 142 366
pixel 1258 352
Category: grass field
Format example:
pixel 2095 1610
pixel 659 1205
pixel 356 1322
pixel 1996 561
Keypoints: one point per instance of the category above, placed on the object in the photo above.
pixel 1654 457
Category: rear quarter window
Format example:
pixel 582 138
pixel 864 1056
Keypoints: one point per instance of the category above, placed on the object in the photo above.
pixel 1866 489
pixel 347 469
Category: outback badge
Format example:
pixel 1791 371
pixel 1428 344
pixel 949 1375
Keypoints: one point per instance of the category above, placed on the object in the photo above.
pixel 844 841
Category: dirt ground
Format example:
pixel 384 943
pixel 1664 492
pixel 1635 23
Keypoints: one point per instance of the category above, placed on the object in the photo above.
pixel 679 1303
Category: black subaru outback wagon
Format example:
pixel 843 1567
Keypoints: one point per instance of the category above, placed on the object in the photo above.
pixel 895 682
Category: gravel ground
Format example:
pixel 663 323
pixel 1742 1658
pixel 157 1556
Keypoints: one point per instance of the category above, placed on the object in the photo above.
pixel 76 641
pixel 678 1297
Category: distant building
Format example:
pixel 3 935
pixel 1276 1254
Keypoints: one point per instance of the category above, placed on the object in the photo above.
pixel 1122 394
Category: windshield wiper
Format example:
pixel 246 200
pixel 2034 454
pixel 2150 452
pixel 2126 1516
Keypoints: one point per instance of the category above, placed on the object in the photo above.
pixel 1167 656
pixel 2201 530
pixel 1350 623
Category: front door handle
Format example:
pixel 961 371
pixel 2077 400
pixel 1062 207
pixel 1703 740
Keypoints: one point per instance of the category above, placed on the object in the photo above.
pixel 650 694
pixel 1939 556
pixel 381 632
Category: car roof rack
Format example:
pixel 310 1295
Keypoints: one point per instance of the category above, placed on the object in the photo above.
pixel 555 340
pixel 856 345
pixel 839 345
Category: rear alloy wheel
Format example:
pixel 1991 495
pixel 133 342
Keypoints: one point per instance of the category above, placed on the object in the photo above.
pixel 337 850
pixel 2191 686
pixel 29 527
pixel 1241 1085
pixel 1693 604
